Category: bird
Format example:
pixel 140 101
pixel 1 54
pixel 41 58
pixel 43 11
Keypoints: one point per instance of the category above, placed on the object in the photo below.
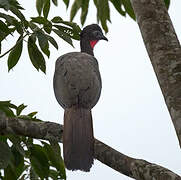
pixel 77 88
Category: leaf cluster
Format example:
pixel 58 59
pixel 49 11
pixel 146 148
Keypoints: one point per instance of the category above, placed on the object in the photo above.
pixel 123 7
pixel 37 32
pixel 11 110
pixel 23 158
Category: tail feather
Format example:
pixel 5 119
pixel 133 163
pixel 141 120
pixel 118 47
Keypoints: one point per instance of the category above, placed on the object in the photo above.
pixel 78 140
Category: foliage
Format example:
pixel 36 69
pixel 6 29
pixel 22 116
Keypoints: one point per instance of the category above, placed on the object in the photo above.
pixel 37 32
pixel 123 7
pixel 22 157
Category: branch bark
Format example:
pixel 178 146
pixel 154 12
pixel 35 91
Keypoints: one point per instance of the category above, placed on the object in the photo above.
pixel 164 51
pixel 135 168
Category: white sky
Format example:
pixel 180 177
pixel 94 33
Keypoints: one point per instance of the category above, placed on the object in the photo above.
pixel 131 115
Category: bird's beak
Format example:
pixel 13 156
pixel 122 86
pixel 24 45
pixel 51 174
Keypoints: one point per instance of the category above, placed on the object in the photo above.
pixel 104 38
pixel 100 36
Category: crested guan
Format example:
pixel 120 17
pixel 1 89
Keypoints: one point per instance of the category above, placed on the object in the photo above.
pixel 77 87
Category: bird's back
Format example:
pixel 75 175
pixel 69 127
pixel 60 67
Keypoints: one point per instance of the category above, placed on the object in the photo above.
pixel 77 80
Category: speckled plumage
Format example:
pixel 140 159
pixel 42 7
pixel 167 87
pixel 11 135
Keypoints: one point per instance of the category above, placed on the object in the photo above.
pixel 77 80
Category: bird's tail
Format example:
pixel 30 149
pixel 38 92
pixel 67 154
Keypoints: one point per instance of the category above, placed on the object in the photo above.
pixel 78 139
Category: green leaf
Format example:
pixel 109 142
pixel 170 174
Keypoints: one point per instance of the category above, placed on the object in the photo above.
pixel 19 27
pixel 48 27
pixel 118 6
pixel 9 173
pixel 64 36
pixel 167 3
pixel 80 2
pixel 85 7
pixel 74 9
pixel 30 141
pixel 9 19
pixel 52 41
pixel 39 161
pixel 12 106
pixel 54 155
pixel 5 155
pixel 7 111
pixel 33 37
pixel 15 54
pixel 19 109
pixel 5 103
pixel 18 162
pixel 35 55
pixel 16 140
pixel 17 156
pixel 39 6
pixel 43 42
pixel 71 33
pixel 76 29
pixel 129 9
pixel 39 20
pixel 32 114
pixel 33 175
pixel 103 13
pixel 4 27
pixel 7 4
pixel 54 174
pixel 66 3
pixel 55 2
pixel 57 19
pixel 3 138
pixel 17 13
pixel 46 8
pixel 33 27
pixel 95 3
pixel 3 35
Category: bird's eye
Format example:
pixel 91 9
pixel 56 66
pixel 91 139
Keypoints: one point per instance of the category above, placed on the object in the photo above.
pixel 96 33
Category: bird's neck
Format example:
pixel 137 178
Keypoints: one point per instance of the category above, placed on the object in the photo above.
pixel 86 47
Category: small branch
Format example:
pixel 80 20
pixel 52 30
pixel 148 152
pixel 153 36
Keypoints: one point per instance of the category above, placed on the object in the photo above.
pixel 13 46
pixel 134 168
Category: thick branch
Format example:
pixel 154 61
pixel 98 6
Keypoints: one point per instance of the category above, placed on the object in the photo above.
pixel 164 51
pixel 135 168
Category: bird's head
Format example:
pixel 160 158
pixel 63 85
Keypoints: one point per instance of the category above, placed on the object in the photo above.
pixel 90 35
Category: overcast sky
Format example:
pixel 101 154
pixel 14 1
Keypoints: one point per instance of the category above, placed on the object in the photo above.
pixel 131 115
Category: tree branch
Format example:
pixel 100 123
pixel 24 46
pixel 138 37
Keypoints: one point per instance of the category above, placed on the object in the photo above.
pixel 13 46
pixel 164 51
pixel 135 168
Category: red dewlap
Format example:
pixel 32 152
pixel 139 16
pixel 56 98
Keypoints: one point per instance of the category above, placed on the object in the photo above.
pixel 93 43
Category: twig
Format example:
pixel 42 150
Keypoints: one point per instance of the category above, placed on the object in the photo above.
pixel 13 46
